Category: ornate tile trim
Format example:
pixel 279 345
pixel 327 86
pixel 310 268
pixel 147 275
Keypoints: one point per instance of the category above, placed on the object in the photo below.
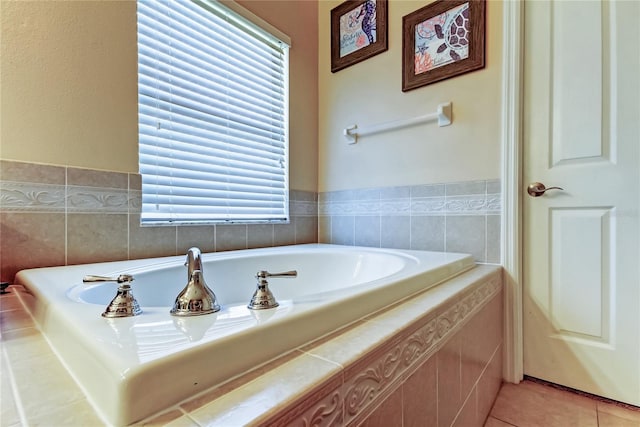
pixel 303 208
pixel 39 197
pixel 373 382
pixel 97 200
pixel 387 368
pixel 358 203
pixel 30 197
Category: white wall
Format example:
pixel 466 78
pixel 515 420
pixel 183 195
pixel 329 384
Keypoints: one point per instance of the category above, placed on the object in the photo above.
pixel 370 93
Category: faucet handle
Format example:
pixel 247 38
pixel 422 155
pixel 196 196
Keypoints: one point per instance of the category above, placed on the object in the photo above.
pixel 124 303
pixel 123 278
pixel 262 297
pixel 264 274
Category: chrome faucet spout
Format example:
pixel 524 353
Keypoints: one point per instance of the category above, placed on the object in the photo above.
pixel 196 298
pixel 193 262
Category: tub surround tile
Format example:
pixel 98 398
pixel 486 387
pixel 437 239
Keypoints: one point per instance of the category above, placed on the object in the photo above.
pixel 280 386
pixel 151 241
pixel 322 407
pixel 97 178
pixel 306 229
pixel 428 233
pixel 78 413
pixel 342 230
pixel 324 229
pixel 494 422
pixel 97 200
pixel 9 300
pixel 23 344
pixel 468 415
pixel 231 237
pixel 36 397
pixel 420 393
pixel 314 383
pixel 387 413
pixel 303 196
pixel 371 372
pixel 479 342
pixel 432 190
pixel 203 399
pixel 173 418
pixel 14 319
pixel 494 186
pixel 96 238
pixel 284 234
pixel 396 205
pixel 395 232
pixel 466 234
pixel 32 172
pixel 32 197
pixel 488 386
pixel 399 192
pixel 260 236
pixel 436 206
pixel 135 181
pixel 493 239
pixel 367 231
pixel 30 240
pixel 200 236
pixel 466 188
pixel 10 412
pixel 27 188
pixel 352 345
pixel 449 391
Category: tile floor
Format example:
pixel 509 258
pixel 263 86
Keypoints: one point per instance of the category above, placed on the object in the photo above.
pixel 533 404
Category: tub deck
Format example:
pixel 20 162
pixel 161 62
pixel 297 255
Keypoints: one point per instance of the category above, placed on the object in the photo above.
pixel 126 365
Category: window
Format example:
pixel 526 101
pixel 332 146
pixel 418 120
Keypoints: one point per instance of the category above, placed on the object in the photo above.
pixel 213 114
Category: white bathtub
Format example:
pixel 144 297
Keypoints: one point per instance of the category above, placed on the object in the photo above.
pixel 133 367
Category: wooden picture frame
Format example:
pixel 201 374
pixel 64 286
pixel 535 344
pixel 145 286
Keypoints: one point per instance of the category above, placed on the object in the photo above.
pixel 359 31
pixel 444 39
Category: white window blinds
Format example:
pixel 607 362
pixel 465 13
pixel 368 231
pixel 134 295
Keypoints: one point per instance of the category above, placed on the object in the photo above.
pixel 213 115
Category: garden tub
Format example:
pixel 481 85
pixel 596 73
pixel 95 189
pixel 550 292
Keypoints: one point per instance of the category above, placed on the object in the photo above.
pixel 133 367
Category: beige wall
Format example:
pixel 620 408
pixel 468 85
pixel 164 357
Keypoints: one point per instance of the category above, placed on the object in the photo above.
pixel 370 93
pixel 68 82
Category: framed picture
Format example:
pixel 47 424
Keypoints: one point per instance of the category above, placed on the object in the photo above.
pixel 442 40
pixel 358 31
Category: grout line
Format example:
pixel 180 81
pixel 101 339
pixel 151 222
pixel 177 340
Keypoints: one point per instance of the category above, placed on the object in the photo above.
pixel 66 216
pixel 14 388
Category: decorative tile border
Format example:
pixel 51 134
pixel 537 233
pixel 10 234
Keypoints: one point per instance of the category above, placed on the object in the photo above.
pixel 452 217
pixel 40 197
pixel 29 197
pixel 413 200
pixel 364 389
pixel 370 380
pixel 70 202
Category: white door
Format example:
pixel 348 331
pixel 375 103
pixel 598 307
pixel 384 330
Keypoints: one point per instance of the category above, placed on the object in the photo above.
pixel 581 244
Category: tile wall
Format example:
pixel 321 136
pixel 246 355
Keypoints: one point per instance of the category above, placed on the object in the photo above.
pixel 51 216
pixel 452 217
